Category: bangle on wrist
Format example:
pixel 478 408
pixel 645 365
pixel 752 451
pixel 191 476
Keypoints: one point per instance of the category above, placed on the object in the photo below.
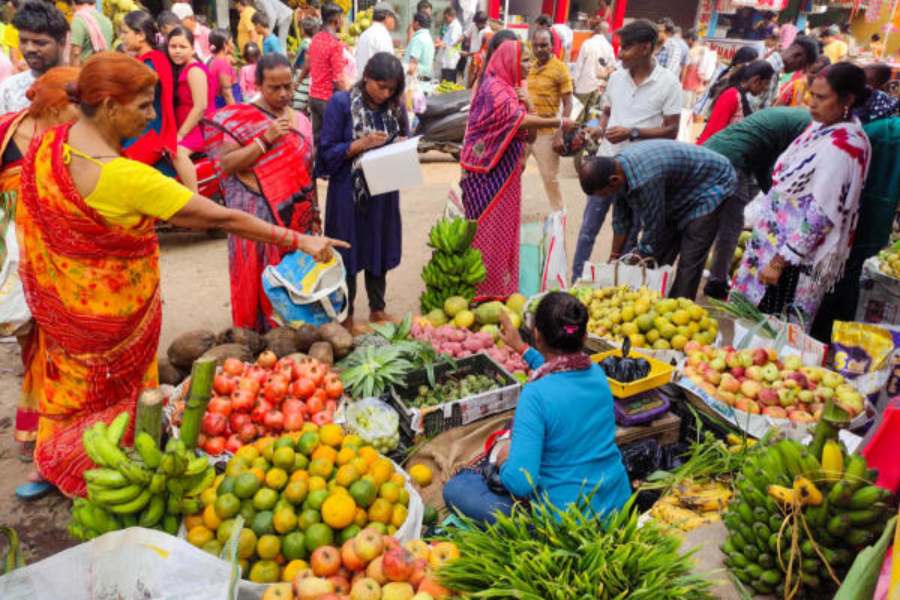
pixel 262 144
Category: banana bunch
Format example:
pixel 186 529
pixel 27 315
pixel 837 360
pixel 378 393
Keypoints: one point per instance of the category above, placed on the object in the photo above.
pixel 445 87
pixel 690 505
pixel 455 268
pixel 452 235
pixel 150 489
pixel 786 490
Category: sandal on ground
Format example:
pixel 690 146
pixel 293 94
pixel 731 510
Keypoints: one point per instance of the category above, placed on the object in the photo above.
pixel 33 490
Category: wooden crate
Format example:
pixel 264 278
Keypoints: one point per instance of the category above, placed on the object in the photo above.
pixel 665 430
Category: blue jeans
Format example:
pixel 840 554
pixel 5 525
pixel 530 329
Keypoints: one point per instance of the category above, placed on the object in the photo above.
pixel 591 222
pixel 468 493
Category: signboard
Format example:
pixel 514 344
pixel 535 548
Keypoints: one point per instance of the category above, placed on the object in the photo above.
pixel 726 47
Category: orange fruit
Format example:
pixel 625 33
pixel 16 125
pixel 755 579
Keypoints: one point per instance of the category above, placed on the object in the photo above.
pixel 362 467
pixel 369 453
pixel 331 435
pixel 344 456
pixel 404 497
pixel 361 518
pixel 210 518
pixel 276 478
pixel 317 483
pixel 351 440
pixel 390 492
pixel 398 515
pixel 260 474
pixel 265 571
pixel 200 535
pixel 398 478
pixel 300 475
pixel 296 491
pixel 346 475
pixel 380 511
pixel 421 474
pixel 290 571
pixel 381 471
pixel 285 520
pixel 246 543
pixel 326 452
pixel 322 467
pixel 268 547
pixel 192 521
pixel 338 511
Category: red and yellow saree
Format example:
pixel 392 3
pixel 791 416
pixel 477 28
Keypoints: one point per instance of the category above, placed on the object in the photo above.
pixel 93 290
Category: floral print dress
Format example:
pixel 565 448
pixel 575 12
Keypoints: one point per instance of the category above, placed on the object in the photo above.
pixel 809 215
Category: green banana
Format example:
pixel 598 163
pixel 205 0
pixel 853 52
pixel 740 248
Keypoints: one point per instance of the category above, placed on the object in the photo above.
pixel 175 446
pixel 147 449
pixel 87 443
pixel 129 520
pixel 860 537
pixel 745 513
pixel 173 505
pixel 129 508
pixel 154 511
pixel 855 473
pixel 135 473
pixel 789 452
pixel 110 497
pixel 864 516
pixel 117 427
pixel 865 497
pixel 838 525
pixel 204 481
pixel 104 477
pixel 840 494
pixel 158 483
pixel 190 506
pixel 167 464
pixel 196 466
pixel 170 524
pixel 111 454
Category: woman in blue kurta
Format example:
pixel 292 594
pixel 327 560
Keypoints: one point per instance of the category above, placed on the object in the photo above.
pixel 563 436
pixel 370 115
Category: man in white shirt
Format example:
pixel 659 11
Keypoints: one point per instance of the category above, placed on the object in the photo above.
pixel 642 101
pixel 594 62
pixel 474 34
pixel 447 45
pixel 377 38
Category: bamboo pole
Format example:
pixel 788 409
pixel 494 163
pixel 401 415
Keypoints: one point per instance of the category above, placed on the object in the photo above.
pixel 198 397
pixel 148 417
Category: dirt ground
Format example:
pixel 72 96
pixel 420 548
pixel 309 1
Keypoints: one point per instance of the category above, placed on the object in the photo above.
pixel 196 295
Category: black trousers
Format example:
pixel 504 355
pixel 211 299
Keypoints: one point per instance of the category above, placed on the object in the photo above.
pixel 375 290
pixel 690 245
pixel 448 75
pixel 316 114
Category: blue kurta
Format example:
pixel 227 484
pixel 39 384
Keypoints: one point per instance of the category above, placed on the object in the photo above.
pixel 564 439
pixel 374 230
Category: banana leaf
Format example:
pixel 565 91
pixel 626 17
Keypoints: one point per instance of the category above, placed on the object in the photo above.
pixel 860 582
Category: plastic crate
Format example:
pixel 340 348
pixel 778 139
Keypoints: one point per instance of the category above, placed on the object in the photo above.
pixel 433 420
pixel 660 374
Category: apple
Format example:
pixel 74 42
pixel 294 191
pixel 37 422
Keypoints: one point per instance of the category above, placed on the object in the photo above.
pixel 423 596
pixel 754 373
pixel 391 542
pixel 312 588
pixel 768 397
pixel 800 416
pixel 760 357
pixel 397 590
pixel 776 412
pixel 733 360
pixel 442 553
pixel 349 557
pixel 368 544
pixel 375 571
pixel 729 383
pixel 832 379
pixel 692 346
pixel 398 564
pixel 770 372
pixel 787 398
pixel 690 372
pixel 365 588
pixel 419 572
pixel 726 397
pixel 801 379
pixel 718 364
pixel 340 583
pixel 418 549
pixel 824 393
pixel 712 376
pixel 746 405
pixel 325 561
pixel 278 591
pixel 772 355
pixel 708 387
pixel 739 372
pixel 430 586
pixel 750 388
pixel 793 362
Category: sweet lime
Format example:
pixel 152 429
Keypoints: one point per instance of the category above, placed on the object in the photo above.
pixel 227 486
pixel 265 571
pixel 224 531
pixel 199 536
pixel 268 546
pixel 300 461
pixel 307 518
pixel 283 458
pixel 309 441
pixel 227 506
pixel 247 510
pixel 265 499
pixel 277 478
pixel 348 533
pixel 317 535
pixel 339 510
pixel 285 520
pixel 284 441
pixel 245 485
pixel 263 523
pixel 315 499
pixel 293 546
pixel 236 466
pixel 246 543
pixel 363 492
pixel 322 467
pixel 290 572
pixel 296 491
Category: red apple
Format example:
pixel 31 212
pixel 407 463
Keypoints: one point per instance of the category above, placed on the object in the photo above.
pixel 325 561
pixel 776 412
pixel 398 564
pixel 368 544
pixel 349 558
pixel 340 583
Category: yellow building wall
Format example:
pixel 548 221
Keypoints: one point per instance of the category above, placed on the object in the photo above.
pixel 862 30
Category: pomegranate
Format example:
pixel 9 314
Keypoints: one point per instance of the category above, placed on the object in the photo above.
pixel 274 420
pixel 213 424
pixel 223 384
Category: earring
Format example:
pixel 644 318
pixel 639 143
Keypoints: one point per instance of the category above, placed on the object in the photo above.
pixel 846 112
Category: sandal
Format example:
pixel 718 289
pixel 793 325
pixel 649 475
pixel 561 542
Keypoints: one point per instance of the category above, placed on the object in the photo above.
pixel 33 490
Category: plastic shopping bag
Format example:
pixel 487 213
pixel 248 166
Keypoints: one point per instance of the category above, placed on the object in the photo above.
pixel 302 290
pixel 14 312
pixel 130 564
pixel 553 274
pixel 630 270
pixel 531 237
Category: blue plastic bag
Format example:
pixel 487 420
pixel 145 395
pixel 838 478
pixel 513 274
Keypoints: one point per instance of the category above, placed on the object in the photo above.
pixel 302 290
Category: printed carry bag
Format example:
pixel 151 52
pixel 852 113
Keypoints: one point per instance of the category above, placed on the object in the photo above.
pixel 302 290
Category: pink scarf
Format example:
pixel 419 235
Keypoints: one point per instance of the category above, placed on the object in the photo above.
pixel 562 363
pixel 86 13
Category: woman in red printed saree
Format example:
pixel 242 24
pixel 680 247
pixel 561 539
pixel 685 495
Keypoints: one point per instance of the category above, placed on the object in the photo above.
pixel 265 150
pixel 50 106
pixel 492 162
pixel 90 259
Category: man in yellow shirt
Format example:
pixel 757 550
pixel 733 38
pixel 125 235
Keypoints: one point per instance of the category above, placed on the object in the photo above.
pixel 549 87
pixel 246 31
pixel 833 46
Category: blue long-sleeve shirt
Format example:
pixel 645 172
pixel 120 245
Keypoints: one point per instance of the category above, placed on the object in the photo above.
pixel 564 439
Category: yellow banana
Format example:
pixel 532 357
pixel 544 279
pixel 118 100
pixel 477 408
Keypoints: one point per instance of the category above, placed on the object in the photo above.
pixel 782 494
pixel 832 461
pixel 807 492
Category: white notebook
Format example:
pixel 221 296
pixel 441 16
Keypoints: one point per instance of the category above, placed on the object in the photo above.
pixel 393 167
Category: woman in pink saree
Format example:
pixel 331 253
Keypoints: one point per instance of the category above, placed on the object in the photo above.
pixel 491 158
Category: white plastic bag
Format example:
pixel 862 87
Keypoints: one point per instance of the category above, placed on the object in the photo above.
pixel 632 271
pixel 555 268
pixel 374 422
pixel 131 564
pixel 14 312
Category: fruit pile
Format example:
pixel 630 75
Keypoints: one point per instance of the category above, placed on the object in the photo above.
pixel 459 332
pixel 758 381
pixel 794 515
pixel 889 261
pixel 690 505
pixel 445 87
pixel 370 566
pixel 455 267
pixel 152 491
pixel 307 489
pixel 265 398
pixel 645 318
pixel 116 10
pixel 453 388
pixel 362 22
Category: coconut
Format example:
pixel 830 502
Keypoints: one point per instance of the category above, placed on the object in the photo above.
pixel 340 339
pixel 243 336
pixel 189 346
pixel 169 373
pixel 307 335
pixel 222 351
pixel 282 341
pixel 322 352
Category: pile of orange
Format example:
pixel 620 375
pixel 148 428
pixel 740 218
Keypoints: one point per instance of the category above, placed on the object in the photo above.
pixel 306 489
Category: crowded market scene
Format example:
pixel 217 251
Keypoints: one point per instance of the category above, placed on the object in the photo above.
pixel 696 397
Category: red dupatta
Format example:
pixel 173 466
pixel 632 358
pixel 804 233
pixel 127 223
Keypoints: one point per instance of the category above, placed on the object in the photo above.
pixel 149 147
pixel 496 112
pixel 279 179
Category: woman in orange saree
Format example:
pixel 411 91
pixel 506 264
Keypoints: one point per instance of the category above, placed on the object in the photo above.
pixel 50 106
pixel 90 260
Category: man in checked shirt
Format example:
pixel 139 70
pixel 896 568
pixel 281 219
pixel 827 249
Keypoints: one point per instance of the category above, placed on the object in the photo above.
pixel 677 191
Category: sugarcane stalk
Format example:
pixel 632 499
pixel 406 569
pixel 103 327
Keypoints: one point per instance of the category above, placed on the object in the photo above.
pixel 198 397
pixel 148 417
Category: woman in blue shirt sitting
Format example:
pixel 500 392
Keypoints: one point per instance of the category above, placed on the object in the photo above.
pixel 563 436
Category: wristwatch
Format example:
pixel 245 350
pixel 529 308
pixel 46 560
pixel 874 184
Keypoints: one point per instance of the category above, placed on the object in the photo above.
pixel 634 134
